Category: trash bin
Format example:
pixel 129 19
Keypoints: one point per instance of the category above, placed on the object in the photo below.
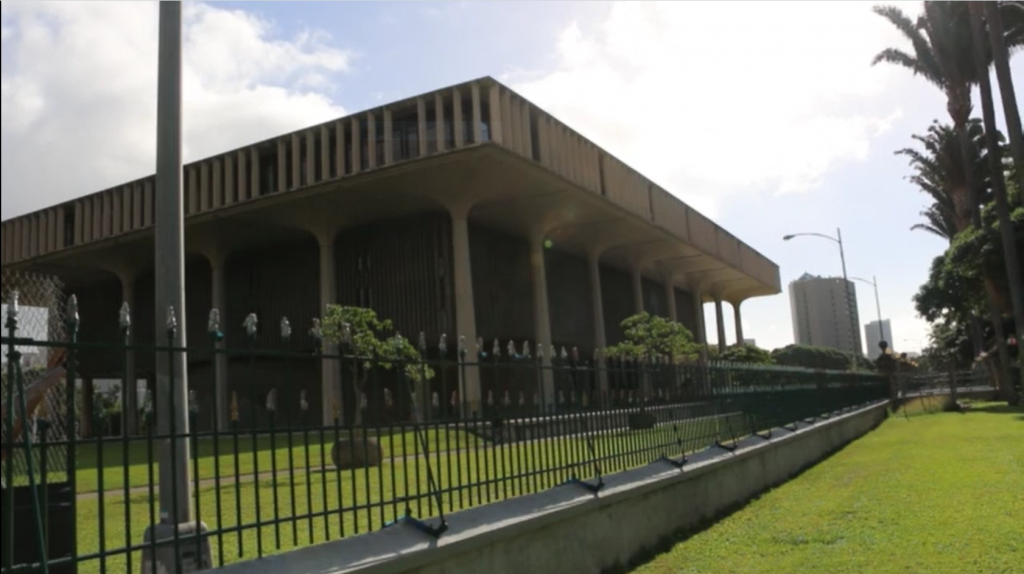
pixel 58 522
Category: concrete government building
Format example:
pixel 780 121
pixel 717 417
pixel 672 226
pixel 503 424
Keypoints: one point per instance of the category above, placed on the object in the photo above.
pixel 467 211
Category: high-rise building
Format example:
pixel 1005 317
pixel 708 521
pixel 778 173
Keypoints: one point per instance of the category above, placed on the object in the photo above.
pixel 871 336
pixel 822 317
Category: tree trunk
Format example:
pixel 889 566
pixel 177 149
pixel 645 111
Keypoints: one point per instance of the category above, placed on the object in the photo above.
pixel 959 106
pixel 1001 58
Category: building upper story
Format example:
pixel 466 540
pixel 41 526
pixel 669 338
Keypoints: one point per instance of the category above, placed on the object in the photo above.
pixel 822 315
pixel 873 336
pixel 477 147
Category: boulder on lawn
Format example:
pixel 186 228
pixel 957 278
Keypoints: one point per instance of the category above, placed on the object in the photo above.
pixel 356 452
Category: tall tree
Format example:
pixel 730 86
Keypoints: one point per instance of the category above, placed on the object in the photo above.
pixel 939 172
pixel 942 54
pixel 1010 255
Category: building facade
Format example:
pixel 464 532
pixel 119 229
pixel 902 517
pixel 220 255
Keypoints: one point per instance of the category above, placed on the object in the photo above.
pixel 872 334
pixel 467 212
pixel 822 315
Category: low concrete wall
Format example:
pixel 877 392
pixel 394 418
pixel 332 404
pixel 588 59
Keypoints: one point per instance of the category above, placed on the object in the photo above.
pixel 569 530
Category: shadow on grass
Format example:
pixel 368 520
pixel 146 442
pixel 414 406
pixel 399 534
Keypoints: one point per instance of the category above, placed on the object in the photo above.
pixel 1000 410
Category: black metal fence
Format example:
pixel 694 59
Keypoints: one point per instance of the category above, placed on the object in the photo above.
pixel 275 476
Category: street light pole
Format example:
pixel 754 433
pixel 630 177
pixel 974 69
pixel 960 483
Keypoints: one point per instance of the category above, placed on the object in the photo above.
pixel 165 549
pixel 878 305
pixel 854 328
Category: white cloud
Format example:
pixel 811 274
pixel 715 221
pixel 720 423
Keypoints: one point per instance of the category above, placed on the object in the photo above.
pixel 717 98
pixel 79 91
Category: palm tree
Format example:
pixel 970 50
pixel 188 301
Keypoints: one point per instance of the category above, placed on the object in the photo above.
pixel 1010 254
pixel 943 55
pixel 939 172
pixel 942 45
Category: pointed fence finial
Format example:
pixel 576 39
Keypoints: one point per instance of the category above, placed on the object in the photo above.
pixel 496 349
pixel 423 342
pixel 526 350
pixel 124 317
pixel 303 402
pixel 286 329
pixel 462 346
pixel 442 346
pixel 213 323
pixel 479 345
pixel 251 323
pixel 511 350
pixel 172 321
pixel 13 309
pixel 316 332
pixel 272 401
pixel 346 333
pixel 73 311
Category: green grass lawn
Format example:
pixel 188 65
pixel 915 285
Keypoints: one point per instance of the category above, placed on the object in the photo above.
pixel 354 501
pixel 929 493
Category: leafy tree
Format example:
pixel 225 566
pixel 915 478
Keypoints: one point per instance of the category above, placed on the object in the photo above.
pixel 747 354
pixel 648 336
pixel 949 345
pixel 812 357
pixel 371 343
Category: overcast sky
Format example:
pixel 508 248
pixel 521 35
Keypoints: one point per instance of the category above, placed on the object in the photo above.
pixel 766 116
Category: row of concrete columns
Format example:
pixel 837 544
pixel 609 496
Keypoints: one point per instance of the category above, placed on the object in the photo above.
pixel 465 315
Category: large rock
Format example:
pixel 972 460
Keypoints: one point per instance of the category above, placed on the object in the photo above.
pixel 356 452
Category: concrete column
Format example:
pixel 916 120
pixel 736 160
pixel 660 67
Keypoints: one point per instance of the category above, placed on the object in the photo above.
pixel 465 311
pixel 325 153
pixel 738 316
pixel 297 167
pixel 218 184
pixel 421 127
pixel 638 289
pixel 339 134
pixel 129 386
pixel 371 140
pixel 357 159
pixel 698 311
pixel 720 319
pixel 220 361
pixel 330 388
pixel 310 167
pixel 230 187
pixel 388 139
pixel 457 119
pixel 477 114
pixel 243 181
pixel 254 174
pixel 282 166
pixel 541 315
pixel 439 133
pixel 597 302
pixel 670 297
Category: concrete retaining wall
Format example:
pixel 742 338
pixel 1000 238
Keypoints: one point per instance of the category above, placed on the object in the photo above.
pixel 569 530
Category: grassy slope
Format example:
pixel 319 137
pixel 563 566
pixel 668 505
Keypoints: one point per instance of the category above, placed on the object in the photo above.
pixel 934 494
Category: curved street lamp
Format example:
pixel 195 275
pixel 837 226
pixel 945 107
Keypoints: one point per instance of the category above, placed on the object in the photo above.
pixel 838 240
pixel 878 305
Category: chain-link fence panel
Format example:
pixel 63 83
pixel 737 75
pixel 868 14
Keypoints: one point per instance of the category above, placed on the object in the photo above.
pixel 34 310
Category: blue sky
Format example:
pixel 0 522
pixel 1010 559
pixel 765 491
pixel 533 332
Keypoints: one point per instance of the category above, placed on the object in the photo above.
pixel 766 116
